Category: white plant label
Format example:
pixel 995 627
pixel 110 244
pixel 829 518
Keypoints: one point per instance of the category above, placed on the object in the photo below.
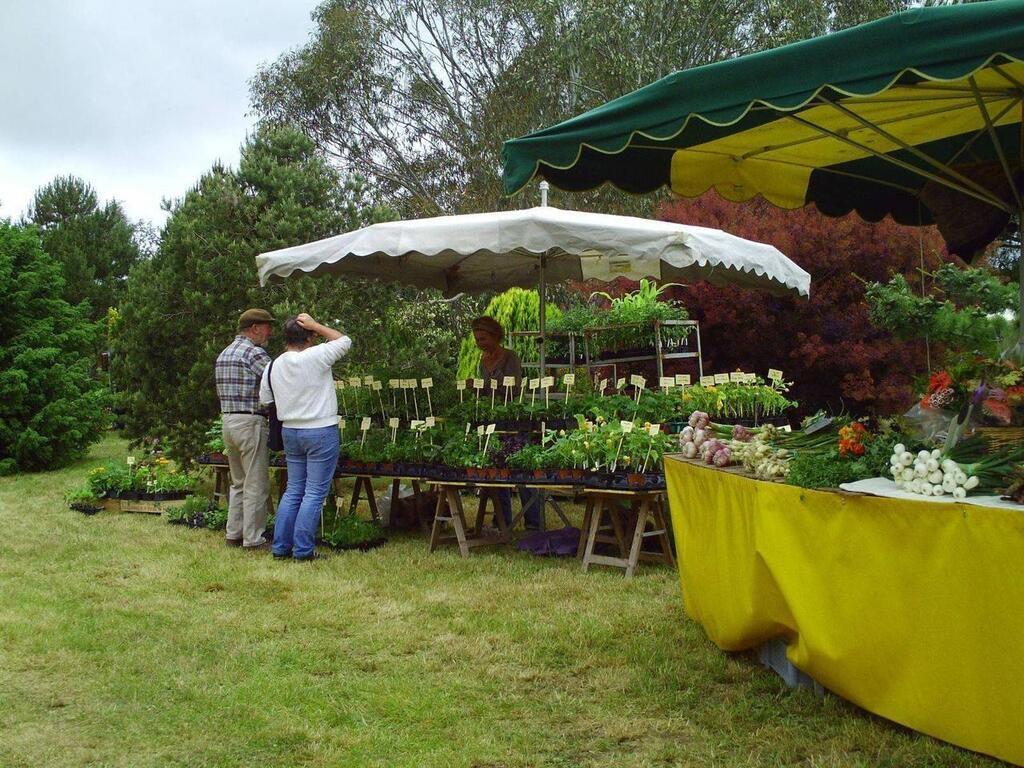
pixel 339 384
pixel 707 381
pixel 415 424
pixel 393 422
pixel 667 382
pixel 364 425
pixel 393 383
pixel 354 381
pixel 721 378
pixel 480 430
pixel 368 380
pixel 508 381
pixel 638 381
pixel 737 377
pixel 460 385
pixel 620 383
pixel 682 379
pixel 654 430
pixel 478 383
pixel 494 384
pixel 427 383
pixel 569 379
pixel 341 423
pixel 534 383
pixel 490 429
pixel 775 375
pixel 430 422
pixel 378 386
pixel 602 384
pixel 547 382
pixel 627 426
pixel 131 461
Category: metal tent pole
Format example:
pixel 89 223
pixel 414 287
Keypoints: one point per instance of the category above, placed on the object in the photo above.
pixel 542 288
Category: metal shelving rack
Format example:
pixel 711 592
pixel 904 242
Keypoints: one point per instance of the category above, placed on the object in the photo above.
pixel 660 356
pixel 575 360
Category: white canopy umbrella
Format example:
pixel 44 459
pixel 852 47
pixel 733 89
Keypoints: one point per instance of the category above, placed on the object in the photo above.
pixel 493 251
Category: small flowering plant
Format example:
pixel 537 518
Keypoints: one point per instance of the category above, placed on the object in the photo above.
pixel 852 439
pixel 943 393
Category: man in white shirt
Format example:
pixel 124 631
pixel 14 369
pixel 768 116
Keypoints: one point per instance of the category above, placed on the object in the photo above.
pixel 300 383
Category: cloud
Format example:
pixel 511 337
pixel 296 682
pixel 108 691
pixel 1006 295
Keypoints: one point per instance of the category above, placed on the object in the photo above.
pixel 138 98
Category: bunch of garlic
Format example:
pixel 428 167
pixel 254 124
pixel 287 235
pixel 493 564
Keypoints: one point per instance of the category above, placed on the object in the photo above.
pixel 691 440
pixel 928 474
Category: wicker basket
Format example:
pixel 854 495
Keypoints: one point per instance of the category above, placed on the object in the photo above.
pixel 1002 437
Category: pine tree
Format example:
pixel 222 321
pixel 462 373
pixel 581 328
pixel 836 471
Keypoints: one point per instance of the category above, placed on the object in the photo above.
pixel 51 405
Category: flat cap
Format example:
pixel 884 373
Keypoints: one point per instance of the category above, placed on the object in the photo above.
pixel 253 316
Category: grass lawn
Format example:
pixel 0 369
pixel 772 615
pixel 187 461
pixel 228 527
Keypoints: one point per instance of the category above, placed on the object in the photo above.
pixel 125 641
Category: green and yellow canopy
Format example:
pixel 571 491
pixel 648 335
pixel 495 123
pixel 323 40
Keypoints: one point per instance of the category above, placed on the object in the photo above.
pixel 917 115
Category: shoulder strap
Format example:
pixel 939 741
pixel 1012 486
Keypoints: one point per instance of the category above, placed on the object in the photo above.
pixel 270 378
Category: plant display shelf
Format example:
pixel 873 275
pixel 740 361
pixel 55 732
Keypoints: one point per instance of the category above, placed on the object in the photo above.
pixel 658 354
pixel 574 359
pixel 649 507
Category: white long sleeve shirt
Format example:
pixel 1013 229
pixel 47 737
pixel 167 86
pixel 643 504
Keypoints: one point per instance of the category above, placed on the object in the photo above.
pixel 303 386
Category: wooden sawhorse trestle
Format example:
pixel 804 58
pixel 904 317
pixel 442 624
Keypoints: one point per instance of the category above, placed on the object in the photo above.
pixel 649 507
pixel 449 510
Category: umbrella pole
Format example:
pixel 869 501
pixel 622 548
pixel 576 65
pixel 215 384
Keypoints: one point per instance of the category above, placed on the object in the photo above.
pixel 1020 285
pixel 543 291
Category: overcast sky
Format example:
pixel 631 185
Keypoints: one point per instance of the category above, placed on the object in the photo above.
pixel 137 97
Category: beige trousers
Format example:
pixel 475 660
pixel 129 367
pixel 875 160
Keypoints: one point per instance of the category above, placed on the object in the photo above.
pixel 245 437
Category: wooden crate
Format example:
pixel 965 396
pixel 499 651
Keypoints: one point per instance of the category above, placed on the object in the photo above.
pixel 147 506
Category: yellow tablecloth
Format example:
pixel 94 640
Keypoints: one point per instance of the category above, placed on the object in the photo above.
pixel 911 610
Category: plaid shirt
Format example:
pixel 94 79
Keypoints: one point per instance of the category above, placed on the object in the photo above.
pixel 238 371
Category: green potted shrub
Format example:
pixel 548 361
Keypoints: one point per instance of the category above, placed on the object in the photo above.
pixel 83 500
pixel 350 532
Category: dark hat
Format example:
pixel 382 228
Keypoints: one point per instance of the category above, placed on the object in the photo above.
pixel 253 316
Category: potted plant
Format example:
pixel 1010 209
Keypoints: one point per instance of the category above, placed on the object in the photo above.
pixel 216 452
pixel 350 532
pixel 83 500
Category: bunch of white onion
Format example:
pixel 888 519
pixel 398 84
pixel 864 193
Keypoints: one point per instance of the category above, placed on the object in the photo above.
pixel 928 474
pixel 766 462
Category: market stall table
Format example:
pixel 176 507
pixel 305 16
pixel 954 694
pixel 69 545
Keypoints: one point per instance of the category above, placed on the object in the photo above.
pixel 910 609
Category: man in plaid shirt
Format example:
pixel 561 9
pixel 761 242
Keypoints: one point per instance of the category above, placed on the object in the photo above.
pixel 238 371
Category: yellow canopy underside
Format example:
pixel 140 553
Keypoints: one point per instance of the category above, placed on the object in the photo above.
pixel 776 159
pixel 911 610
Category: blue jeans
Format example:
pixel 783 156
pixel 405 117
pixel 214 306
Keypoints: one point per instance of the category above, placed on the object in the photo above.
pixel 312 456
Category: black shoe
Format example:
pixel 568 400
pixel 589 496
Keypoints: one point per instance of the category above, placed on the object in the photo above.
pixel 314 556
pixel 286 556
